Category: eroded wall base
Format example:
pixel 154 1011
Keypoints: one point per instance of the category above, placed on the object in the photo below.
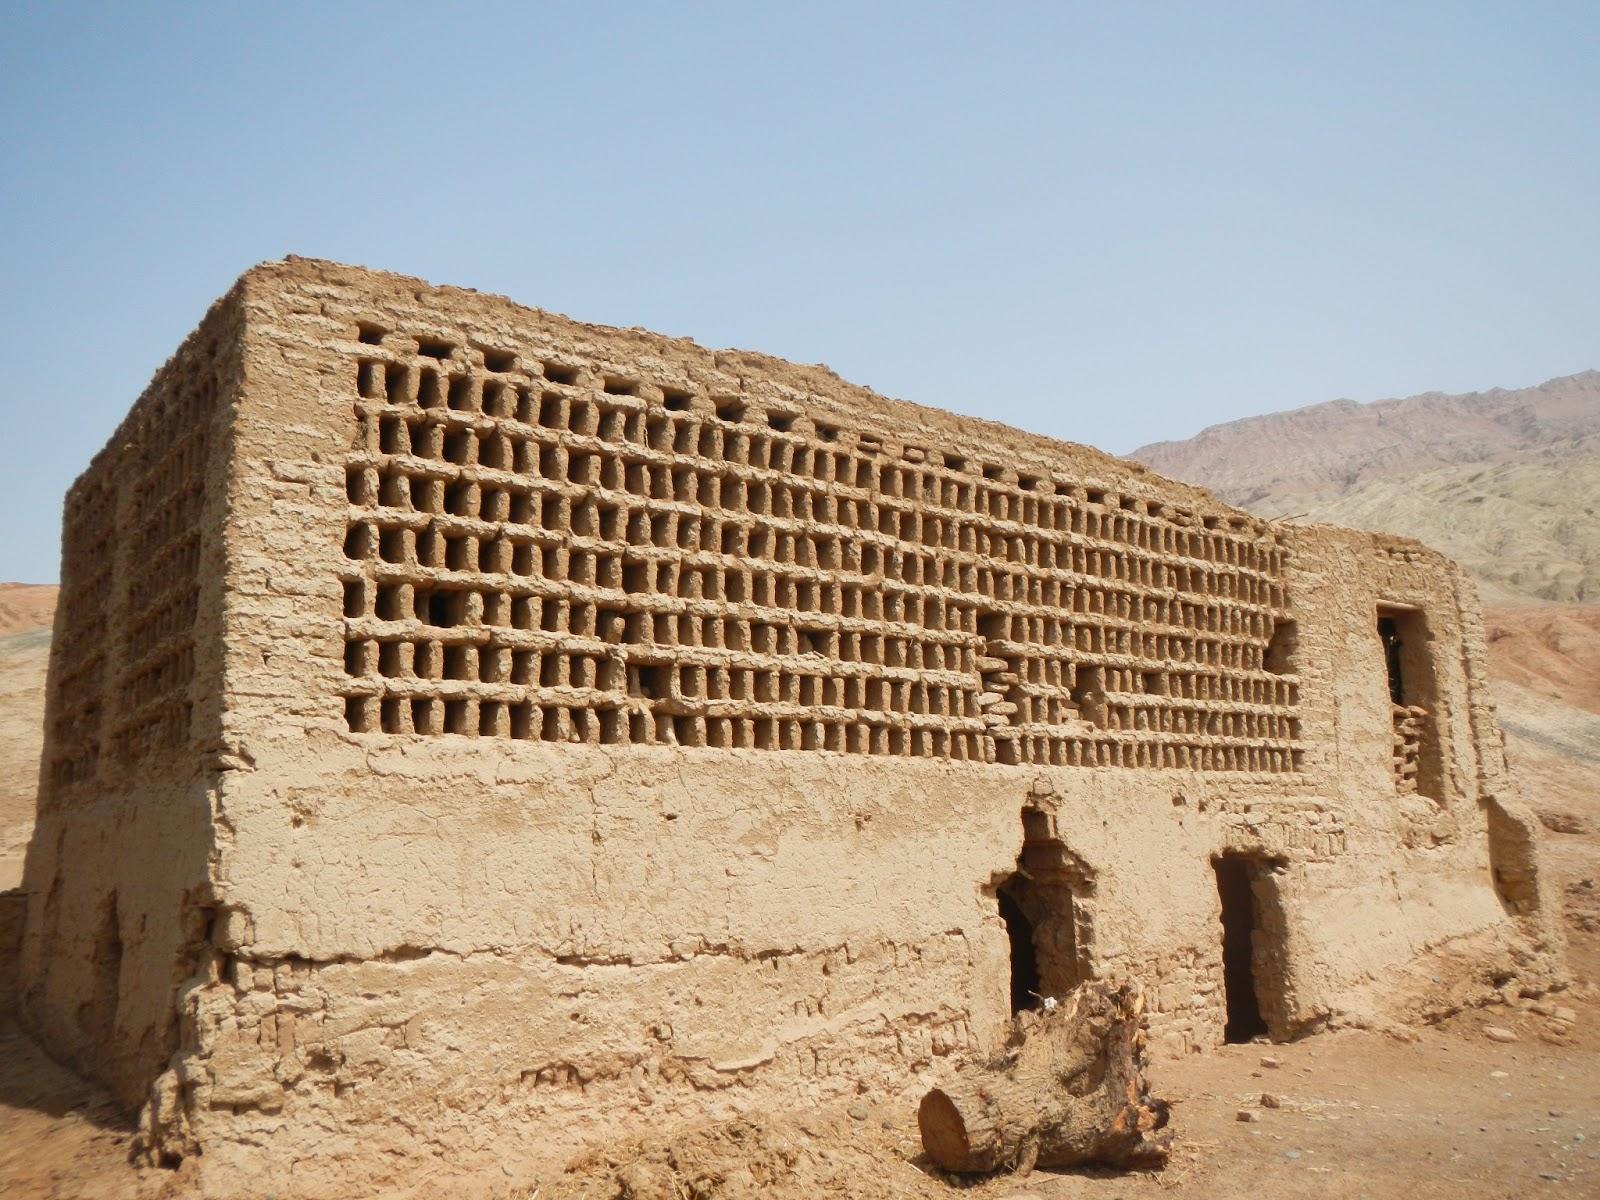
pixel 469 993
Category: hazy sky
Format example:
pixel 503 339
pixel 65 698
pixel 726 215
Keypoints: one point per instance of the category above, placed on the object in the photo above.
pixel 1112 223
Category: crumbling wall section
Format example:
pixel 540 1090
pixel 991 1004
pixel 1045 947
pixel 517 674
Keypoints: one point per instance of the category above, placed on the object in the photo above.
pixel 116 871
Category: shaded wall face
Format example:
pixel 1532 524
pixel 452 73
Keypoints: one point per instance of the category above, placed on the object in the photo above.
pixel 117 863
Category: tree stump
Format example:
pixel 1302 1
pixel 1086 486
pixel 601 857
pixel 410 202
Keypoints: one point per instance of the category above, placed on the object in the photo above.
pixel 1070 1089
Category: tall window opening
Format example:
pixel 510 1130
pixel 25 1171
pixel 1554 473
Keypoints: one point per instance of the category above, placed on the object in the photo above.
pixel 1416 754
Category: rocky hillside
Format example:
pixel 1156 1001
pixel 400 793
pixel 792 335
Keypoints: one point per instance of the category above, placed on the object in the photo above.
pixel 1507 482
pixel 25 615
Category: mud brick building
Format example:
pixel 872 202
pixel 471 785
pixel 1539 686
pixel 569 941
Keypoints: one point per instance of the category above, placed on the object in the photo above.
pixel 473 733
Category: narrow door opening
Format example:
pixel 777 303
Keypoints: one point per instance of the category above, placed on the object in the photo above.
pixel 1044 904
pixel 1238 949
pixel 1025 985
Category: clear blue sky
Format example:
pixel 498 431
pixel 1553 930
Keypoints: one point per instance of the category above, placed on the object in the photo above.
pixel 1111 223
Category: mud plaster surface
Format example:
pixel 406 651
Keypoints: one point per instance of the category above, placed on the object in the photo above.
pixel 471 734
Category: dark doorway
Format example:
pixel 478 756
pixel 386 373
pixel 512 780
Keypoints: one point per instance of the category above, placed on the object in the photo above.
pixel 1389 635
pixel 1234 886
pixel 1025 986
pixel 1045 904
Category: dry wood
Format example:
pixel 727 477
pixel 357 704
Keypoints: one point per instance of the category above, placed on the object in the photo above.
pixel 1071 1089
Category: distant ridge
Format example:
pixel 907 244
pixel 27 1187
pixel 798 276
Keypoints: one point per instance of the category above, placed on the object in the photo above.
pixel 1505 480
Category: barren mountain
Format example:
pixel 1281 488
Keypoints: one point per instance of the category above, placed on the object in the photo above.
pixel 1507 482
pixel 25 615
pixel 1328 450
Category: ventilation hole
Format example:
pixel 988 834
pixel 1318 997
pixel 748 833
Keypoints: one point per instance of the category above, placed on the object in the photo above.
pixel 782 422
pixel 653 682
pixel 954 462
pixel 434 348
pixel 369 333
pixel 422 716
pixel 355 595
pixel 675 399
pixel 827 433
pixel 394 383
pixel 389 661
pixel 560 373
pixel 441 609
pixel 460 395
pixel 499 361
pixel 730 410
pixel 1094 496
pixel 388 606
pixel 455 716
pixel 430 389
pixel 357 713
pixel 1027 482
pixel 489 718
pixel 992 472
pixel 615 385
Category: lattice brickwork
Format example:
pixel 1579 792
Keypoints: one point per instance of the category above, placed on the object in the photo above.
pixel 1409 724
pixel 79 679
pixel 546 550
pixel 131 580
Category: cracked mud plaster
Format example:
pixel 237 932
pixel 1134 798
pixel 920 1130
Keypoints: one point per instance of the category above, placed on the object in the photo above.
pixel 472 734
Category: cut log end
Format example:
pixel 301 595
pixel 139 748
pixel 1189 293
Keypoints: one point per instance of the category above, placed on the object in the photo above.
pixel 944 1133
pixel 1072 1090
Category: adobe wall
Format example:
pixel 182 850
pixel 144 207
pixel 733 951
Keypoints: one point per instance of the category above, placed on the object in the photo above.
pixel 117 875
pixel 618 730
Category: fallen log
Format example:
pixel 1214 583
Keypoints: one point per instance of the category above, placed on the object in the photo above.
pixel 1070 1089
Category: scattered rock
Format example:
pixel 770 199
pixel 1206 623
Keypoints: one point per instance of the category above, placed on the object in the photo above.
pixel 1291 1155
pixel 1563 1013
pixel 1247 1115
pixel 1271 1100
pixel 1498 1033
pixel 1559 821
pixel 1271 1063
pixel 858 1111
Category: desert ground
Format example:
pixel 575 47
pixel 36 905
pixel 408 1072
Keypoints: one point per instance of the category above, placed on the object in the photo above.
pixel 1446 1110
